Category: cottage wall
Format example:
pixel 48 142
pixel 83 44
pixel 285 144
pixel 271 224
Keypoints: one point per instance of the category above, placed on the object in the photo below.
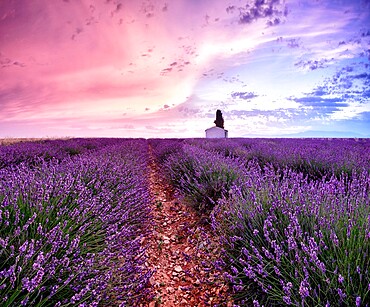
pixel 216 132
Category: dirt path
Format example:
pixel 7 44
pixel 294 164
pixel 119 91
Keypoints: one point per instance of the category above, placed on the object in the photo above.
pixel 178 254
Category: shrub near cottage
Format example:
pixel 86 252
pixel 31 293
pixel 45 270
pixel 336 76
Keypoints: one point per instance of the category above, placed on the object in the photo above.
pixel 70 231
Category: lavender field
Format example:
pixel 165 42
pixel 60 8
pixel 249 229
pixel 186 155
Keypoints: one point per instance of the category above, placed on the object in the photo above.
pixel 72 215
pixel 292 217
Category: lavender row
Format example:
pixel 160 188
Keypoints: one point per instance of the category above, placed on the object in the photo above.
pixel 288 238
pixel 163 148
pixel 313 157
pixel 296 242
pixel 71 231
pixel 201 176
pixel 32 153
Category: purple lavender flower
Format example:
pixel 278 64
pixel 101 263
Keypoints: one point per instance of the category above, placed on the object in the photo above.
pixel 287 288
pixel 25 301
pixel 287 300
pixel 256 303
pixel 234 270
pixel 304 289
pixel 358 270
pixel 341 294
pixel 277 271
pixel 340 279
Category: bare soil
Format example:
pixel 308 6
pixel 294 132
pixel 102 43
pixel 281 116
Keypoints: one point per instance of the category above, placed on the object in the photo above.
pixel 180 252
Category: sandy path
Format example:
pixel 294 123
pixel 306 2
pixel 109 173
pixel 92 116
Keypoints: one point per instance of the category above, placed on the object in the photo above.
pixel 177 249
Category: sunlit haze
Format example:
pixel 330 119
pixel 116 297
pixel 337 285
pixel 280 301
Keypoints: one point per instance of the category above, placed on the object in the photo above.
pixel 158 68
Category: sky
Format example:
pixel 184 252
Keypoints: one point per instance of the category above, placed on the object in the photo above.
pixel 161 68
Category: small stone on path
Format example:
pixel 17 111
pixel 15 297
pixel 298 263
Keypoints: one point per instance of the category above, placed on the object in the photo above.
pixel 178 269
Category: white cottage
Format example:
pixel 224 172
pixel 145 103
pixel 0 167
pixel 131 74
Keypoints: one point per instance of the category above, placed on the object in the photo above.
pixel 216 133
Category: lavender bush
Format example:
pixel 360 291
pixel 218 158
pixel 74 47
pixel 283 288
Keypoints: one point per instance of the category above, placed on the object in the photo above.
pixel 70 231
pixel 297 242
pixel 203 177
pixel 163 148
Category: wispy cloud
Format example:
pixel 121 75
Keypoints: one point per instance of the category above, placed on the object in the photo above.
pixel 244 95
pixel 272 10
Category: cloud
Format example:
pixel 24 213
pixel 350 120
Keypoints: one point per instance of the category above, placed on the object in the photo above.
pixel 277 122
pixel 319 102
pixel 342 96
pixel 260 9
pixel 314 64
pixel 165 71
pixel 365 33
pixel 279 113
pixel 366 94
pixel 274 22
pixel 294 43
pixel 319 91
pixel 355 109
pixel 363 76
pixel 7 62
pixel 244 95
pixel 147 8
pixel 352 81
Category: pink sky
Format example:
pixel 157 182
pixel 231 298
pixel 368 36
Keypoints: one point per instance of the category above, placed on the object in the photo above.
pixel 162 68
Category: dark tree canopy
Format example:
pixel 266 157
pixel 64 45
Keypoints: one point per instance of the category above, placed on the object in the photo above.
pixel 219 119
